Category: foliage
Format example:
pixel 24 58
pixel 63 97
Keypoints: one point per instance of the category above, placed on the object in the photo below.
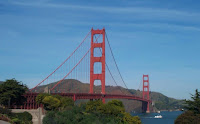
pixel 17 118
pixel 24 118
pixel 92 106
pixel 91 113
pixel 165 103
pixel 130 119
pixel 188 117
pixel 116 103
pixel 192 116
pixel 40 97
pixel 114 107
pixel 65 102
pixel 11 91
pixel 161 102
pixel 194 104
pixel 76 116
pixel 5 111
pixel 51 103
pixel 54 102
pixel 5 118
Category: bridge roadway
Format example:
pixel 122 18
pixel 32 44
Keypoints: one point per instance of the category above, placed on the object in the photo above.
pixel 31 98
pixel 77 96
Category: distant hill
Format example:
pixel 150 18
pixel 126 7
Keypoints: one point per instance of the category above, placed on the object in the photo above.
pixel 1 82
pixel 160 101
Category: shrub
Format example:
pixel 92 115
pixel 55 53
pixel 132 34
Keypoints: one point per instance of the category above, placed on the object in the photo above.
pixel 5 118
pixel 40 97
pixel 92 106
pixel 16 121
pixel 54 102
pixel 93 112
pixel 5 111
pixel 51 103
pixel 22 118
pixel 192 116
pixel 188 117
pixel 49 118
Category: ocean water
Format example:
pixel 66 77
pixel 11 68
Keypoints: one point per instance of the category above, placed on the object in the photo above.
pixel 167 117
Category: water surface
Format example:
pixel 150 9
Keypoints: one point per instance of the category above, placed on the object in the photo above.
pixel 167 117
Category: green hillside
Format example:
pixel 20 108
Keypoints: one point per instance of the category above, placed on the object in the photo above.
pixel 160 101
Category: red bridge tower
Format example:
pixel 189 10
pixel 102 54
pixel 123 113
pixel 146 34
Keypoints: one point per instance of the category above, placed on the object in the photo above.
pixel 145 106
pixel 94 59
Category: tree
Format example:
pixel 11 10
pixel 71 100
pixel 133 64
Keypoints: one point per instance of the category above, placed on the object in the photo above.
pixel 116 103
pixel 93 112
pixel 40 97
pixel 54 102
pixel 92 106
pixel 114 107
pixel 188 117
pixel 66 102
pixel 192 115
pixel 11 92
pixel 194 104
pixel 130 119
pixel 51 103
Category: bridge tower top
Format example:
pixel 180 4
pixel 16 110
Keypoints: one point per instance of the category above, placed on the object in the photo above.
pixel 146 87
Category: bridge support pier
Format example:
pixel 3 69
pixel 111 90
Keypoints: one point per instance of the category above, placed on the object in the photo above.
pixel 145 107
pixel 103 100
pixel 74 97
pixel 148 110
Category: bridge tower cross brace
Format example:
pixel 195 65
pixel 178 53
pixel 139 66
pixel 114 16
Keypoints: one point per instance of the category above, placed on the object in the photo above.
pixel 146 90
pixel 94 59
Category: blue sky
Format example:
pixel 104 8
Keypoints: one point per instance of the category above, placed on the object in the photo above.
pixel 159 38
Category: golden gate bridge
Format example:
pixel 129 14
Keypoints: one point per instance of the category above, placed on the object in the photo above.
pixel 91 62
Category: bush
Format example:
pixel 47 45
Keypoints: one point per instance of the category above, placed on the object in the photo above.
pixel 192 116
pixel 5 118
pixel 17 118
pixel 5 111
pixel 188 117
pixel 51 103
pixel 22 118
pixel 93 112
pixel 54 102
pixel 92 106
pixel 49 118
pixel 40 97
pixel 16 121
pixel 11 91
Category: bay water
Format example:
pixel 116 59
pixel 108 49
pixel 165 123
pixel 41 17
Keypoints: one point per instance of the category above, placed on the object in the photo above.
pixel 167 117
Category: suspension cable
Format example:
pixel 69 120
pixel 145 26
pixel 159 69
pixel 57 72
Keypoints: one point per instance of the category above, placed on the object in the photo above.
pixel 115 61
pixel 110 71
pixel 62 62
pixel 73 67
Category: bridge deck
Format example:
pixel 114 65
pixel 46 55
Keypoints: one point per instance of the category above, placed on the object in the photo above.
pixel 32 104
pixel 77 96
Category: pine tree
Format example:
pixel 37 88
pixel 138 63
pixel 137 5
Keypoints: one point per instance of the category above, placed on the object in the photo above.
pixel 194 104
